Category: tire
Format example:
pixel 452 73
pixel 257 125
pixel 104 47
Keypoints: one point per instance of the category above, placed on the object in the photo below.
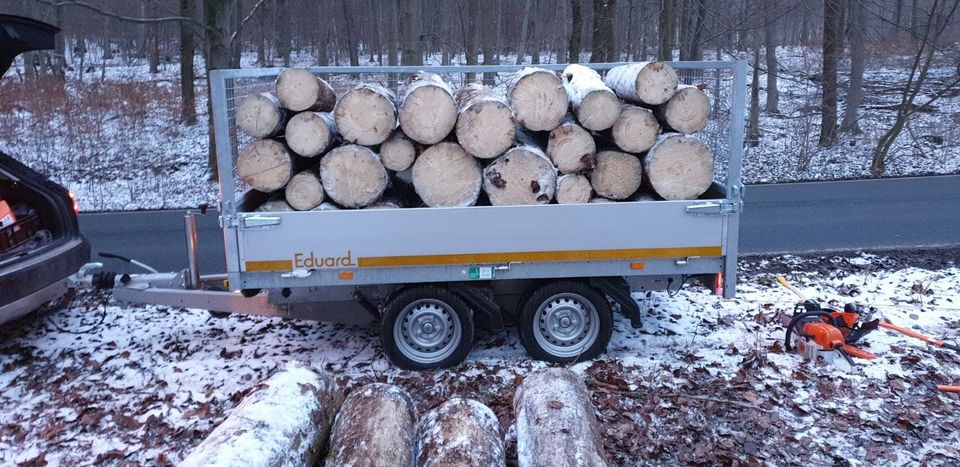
pixel 582 322
pixel 426 327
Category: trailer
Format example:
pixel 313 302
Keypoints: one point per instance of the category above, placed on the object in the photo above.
pixel 555 271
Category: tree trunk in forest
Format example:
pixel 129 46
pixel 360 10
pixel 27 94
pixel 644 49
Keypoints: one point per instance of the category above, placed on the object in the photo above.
pixel 523 175
pixel 603 18
pixel 283 31
pixel 154 49
pixel 770 32
pixel 858 58
pixel 188 100
pixel 753 120
pixel 667 30
pixel 376 426
pixel 459 432
pixel 576 29
pixel 525 24
pixel 60 47
pixel 217 30
pixel 471 31
pixel 489 17
pixel 351 34
pixel 411 30
pixel 832 49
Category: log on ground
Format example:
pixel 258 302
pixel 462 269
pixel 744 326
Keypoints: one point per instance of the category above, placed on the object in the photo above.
pixel 265 165
pixel 375 426
pixel 460 432
pixel 353 176
pixel 651 83
pixel 304 191
pixel 679 167
pixel 538 98
pixel 366 114
pixel 428 112
pixel 261 115
pixel 398 152
pixel 444 175
pixel 595 105
pixel 573 189
pixel 310 134
pixel 285 420
pixel 556 422
pixel 617 175
pixel 485 124
pixel 687 111
pixel 524 175
pixel 299 89
pixel 571 148
pixel 636 129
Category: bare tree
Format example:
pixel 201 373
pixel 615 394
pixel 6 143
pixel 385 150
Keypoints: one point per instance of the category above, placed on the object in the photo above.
pixel 217 32
pixel 576 30
pixel 522 48
pixel 858 58
pixel 832 48
pixel 283 31
pixel 770 32
pixel 489 16
pixel 667 30
pixel 188 101
pixel 753 124
pixel 603 16
pixel 411 32
pixel 351 33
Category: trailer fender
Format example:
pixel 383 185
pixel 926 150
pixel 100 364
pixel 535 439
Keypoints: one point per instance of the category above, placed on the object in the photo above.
pixel 486 311
pixel 618 289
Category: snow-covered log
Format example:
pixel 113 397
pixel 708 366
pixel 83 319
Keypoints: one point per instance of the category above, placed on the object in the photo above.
pixel 538 98
pixel 299 89
pixel 265 165
pixel 444 175
pixel 310 134
pixel 353 176
pixel 594 104
pixel 687 111
pixel 285 420
pixel 571 148
pixel 398 152
pixel 635 130
pixel 556 422
pixel 460 432
pixel 366 114
pixel 573 189
pixel 304 191
pixel 376 426
pixel 274 205
pixel 679 167
pixel 428 112
pixel 485 124
pixel 651 83
pixel 326 206
pixel 523 175
pixel 261 115
pixel 617 175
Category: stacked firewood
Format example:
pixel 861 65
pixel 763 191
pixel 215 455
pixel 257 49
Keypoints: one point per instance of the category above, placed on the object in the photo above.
pixel 570 138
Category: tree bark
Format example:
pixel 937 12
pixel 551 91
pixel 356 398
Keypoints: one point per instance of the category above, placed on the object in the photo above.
pixel 679 167
pixel 753 124
pixel 310 134
pixel 667 31
pixel 538 98
pixel 573 189
pixel 571 148
pixel 858 58
pixel 188 100
pixel 832 49
pixel 635 130
pixel 366 114
pixel 524 175
pixel 594 104
pixel 299 89
pixel 427 110
pixel 687 111
pixel 304 191
pixel 444 175
pixel 350 26
pixel 460 432
pixel 217 29
pixel 489 16
pixel 617 175
pixel 770 32
pixel 603 17
pixel 261 115
pixel 265 165
pixel 525 24
pixel 411 30
pixel 375 426
pixel 353 176
pixel 650 83
pixel 576 30
pixel 485 124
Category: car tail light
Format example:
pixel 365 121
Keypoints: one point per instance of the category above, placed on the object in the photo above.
pixel 76 205
pixel 719 283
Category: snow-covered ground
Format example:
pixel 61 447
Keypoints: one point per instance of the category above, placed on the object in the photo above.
pixel 704 381
pixel 117 143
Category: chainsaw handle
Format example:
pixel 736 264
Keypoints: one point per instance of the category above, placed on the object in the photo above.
pixel 783 281
pixel 914 334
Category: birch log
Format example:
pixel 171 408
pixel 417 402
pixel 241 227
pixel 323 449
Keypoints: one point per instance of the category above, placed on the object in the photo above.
pixel 299 89
pixel 538 98
pixel 446 176
pixel 651 83
pixel 573 189
pixel 304 191
pixel 617 175
pixel 679 167
pixel 687 111
pixel 366 114
pixel 594 104
pixel 485 124
pixel 353 176
pixel 274 205
pixel 376 426
pixel 310 134
pixel 283 421
pixel 398 152
pixel 556 422
pixel 428 112
pixel 635 130
pixel 265 165
pixel 571 148
pixel 260 115
pixel 460 432
pixel 523 175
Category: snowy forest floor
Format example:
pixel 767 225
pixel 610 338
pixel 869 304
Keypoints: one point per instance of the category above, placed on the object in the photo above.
pixel 115 140
pixel 704 381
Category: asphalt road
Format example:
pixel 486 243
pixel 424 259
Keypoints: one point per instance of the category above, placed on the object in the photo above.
pixel 795 218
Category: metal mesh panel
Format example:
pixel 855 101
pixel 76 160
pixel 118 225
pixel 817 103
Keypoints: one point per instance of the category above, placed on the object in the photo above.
pixel 718 84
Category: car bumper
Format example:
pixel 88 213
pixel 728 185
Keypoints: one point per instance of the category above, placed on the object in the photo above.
pixel 30 283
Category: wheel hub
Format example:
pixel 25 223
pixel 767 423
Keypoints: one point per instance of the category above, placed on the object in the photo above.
pixel 566 324
pixel 427 331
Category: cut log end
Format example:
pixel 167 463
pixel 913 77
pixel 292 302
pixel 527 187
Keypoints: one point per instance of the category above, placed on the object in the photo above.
pixel 635 130
pixel 617 175
pixel 310 134
pixel 446 176
pixel 304 191
pixel 428 112
pixel 366 115
pixel 571 148
pixel 353 176
pixel 598 110
pixel 460 432
pixel 265 165
pixel 398 153
pixel 651 83
pixel 375 426
pixel 679 167
pixel 688 110
pixel 522 176
pixel 260 115
pixel 299 89
pixel 485 127
pixel 539 99
pixel 573 189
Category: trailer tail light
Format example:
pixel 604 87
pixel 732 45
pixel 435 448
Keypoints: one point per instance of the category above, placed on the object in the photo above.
pixel 346 275
pixel 73 201
pixel 719 283
pixel 637 265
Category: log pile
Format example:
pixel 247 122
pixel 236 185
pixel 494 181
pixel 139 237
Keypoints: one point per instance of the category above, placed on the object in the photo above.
pixel 571 138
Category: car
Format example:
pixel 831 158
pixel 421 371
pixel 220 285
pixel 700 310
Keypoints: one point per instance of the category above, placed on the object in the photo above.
pixel 40 240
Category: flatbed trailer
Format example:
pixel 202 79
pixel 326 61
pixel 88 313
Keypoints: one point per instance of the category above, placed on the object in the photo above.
pixel 552 270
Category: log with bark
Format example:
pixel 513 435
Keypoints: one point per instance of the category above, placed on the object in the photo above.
pixel 679 167
pixel 427 110
pixel 274 205
pixel 285 420
pixel 366 114
pixel 636 129
pixel 538 98
pixel 375 426
pixel 485 124
pixel 651 83
pixel 261 115
pixel 299 89
pixel 523 175
pixel 265 165
pixel 617 175
pixel 310 134
pixel 595 105
pixel 571 148
pixel 304 191
pixel 460 432
pixel 353 176
pixel 687 111
pixel 444 175
pixel 573 189
pixel 398 152
pixel 556 422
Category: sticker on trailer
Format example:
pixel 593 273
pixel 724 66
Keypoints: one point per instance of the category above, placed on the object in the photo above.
pixel 480 273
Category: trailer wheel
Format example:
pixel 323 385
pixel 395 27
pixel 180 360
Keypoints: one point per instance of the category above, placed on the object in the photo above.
pixel 426 327
pixel 565 322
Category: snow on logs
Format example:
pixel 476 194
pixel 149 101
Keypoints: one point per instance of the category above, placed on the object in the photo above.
pixel 310 134
pixel 353 176
pixel 556 422
pixel 376 426
pixel 687 110
pixel 459 432
pixel 366 114
pixel 299 89
pixel 523 175
pixel 594 104
pixel 538 98
pixel 651 83
pixel 261 115
pixel 444 175
pixel 485 127
pixel 428 112
pixel 265 165
pixel 678 167
pixel 285 420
